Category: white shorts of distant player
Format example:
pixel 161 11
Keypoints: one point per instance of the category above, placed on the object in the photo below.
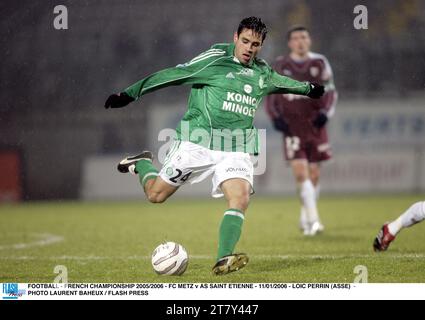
pixel 187 161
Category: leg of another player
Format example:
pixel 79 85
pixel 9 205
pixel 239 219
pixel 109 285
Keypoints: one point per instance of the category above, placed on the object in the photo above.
pixel 300 171
pixel 314 174
pixel 309 219
pixel 388 232
pixel 156 189
pixel 237 193
pixel 413 215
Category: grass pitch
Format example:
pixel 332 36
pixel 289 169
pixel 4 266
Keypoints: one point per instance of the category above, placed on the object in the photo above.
pixel 112 241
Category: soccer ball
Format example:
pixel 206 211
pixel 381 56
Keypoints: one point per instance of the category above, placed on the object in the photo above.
pixel 170 258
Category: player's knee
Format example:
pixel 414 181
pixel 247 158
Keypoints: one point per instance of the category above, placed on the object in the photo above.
pixel 157 197
pixel 300 177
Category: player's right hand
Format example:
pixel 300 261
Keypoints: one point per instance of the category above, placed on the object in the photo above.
pixel 316 91
pixel 118 100
pixel 281 125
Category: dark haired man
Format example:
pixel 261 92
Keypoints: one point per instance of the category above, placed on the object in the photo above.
pixel 228 82
pixel 303 122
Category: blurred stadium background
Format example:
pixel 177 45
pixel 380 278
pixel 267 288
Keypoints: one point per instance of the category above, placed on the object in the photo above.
pixel 57 141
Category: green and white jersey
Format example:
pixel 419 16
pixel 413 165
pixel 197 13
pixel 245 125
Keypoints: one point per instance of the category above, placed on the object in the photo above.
pixel 224 97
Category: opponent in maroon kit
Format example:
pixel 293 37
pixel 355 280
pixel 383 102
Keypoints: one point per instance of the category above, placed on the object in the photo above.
pixel 303 121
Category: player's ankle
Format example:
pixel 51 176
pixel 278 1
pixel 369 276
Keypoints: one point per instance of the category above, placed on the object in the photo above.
pixel 395 227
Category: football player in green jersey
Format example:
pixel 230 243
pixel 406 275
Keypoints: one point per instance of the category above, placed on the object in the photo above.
pixel 227 82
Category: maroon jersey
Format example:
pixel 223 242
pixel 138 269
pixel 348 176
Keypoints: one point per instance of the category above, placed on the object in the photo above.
pixel 304 140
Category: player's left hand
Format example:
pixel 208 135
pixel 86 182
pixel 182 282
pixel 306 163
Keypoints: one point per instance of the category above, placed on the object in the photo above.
pixel 321 120
pixel 316 91
pixel 118 100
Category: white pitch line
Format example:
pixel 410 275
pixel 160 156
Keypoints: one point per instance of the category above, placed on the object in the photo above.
pixel 45 239
pixel 207 257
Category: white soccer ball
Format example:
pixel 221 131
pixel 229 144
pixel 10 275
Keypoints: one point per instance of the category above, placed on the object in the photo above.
pixel 170 258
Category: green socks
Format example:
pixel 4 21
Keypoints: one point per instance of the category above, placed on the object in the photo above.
pixel 230 232
pixel 146 171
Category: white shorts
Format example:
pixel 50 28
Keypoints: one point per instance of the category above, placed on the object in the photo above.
pixel 187 161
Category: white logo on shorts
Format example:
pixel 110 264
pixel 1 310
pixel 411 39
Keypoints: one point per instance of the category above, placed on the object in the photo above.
pixel 236 170
pixel 169 171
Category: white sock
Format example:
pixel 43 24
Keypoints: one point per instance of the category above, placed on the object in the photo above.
pixel 317 192
pixel 413 215
pixel 308 198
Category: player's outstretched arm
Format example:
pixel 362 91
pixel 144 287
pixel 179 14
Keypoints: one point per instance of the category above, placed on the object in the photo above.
pixel 196 71
pixel 282 84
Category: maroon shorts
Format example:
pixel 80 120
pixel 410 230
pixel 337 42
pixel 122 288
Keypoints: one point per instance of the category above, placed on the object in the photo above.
pixel 314 150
